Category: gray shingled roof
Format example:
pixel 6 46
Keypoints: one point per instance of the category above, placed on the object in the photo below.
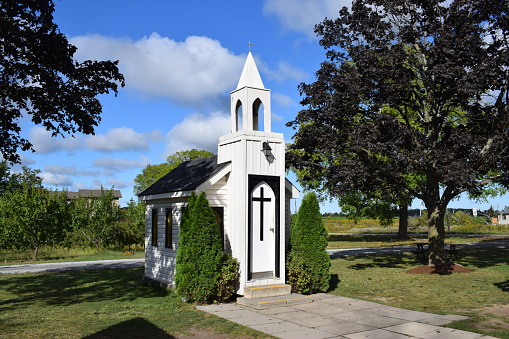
pixel 186 177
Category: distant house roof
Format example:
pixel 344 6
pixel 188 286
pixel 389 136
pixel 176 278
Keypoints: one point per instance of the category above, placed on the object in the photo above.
pixel 186 177
pixel 91 193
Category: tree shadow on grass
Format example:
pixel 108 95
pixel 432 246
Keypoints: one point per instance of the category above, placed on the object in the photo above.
pixel 402 261
pixel 503 286
pixel 72 287
pixel 333 282
pixel 483 257
pixel 134 328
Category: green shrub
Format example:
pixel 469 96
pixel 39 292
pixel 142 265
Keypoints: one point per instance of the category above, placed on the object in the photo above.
pixel 199 255
pixel 299 276
pixel 309 242
pixel 228 279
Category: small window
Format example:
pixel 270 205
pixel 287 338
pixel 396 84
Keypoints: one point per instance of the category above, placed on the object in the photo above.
pixel 168 229
pixel 219 215
pixel 154 227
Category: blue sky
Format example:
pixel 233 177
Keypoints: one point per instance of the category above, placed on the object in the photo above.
pixel 181 59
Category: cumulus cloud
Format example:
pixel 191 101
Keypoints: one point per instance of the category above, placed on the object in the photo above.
pixel 116 164
pixel 284 71
pixel 198 131
pixel 301 16
pixel 284 100
pixel 44 143
pixel 117 183
pixel 118 139
pixel 59 169
pixel 161 67
pixel 55 179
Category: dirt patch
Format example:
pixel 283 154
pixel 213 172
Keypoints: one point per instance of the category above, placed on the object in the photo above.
pixel 442 270
pixel 501 312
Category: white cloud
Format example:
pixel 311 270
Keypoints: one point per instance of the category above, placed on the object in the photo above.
pixel 192 72
pixel 284 71
pixel 117 183
pixel 55 179
pixel 198 131
pixel 302 15
pixel 116 164
pixel 284 100
pixel 44 143
pixel 59 169
pixel 118 139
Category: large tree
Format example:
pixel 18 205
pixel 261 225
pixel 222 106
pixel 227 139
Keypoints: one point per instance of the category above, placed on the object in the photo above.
pixel 152 173
pixel 413 98
pixel 40 78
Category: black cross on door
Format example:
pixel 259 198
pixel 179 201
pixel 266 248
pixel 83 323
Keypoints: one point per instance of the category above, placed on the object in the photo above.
pixel 262 200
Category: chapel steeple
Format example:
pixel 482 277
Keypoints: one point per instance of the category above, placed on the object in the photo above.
pixel 247 100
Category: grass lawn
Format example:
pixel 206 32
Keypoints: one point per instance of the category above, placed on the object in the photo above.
pixel 482 294
pixel 101 304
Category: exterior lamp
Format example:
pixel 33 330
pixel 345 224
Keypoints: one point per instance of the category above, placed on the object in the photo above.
pixel 266 149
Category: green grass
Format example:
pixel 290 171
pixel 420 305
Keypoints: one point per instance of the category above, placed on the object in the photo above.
pixel 100 304
pixel 64 254
pixel 384 279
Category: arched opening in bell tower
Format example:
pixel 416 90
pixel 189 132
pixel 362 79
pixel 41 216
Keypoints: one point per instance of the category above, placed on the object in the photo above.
pixel 258 113
pixel 238 116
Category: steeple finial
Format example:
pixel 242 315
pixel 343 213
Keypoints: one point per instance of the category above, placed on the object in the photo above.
pixel 250 76
pixel 249 46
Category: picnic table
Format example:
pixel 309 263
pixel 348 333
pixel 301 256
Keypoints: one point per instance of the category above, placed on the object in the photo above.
pixel 450 249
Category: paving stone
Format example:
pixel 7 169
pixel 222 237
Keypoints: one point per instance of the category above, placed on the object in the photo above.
pixel 345 327
pixel 376 334
pixel 380 322
pixel 413 315
pixel 236 313
pixel 309 333
pixel 256 320
pixel 450 333
pixel 277 327
pixel 314 321
pixel 413 328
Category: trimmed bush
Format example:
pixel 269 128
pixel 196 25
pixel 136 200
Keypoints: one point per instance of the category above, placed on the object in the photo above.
pixel 308 262
pixel 200 254
pixel 228 279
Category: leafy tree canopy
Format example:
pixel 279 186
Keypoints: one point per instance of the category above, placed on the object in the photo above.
pixel 152 173
pixel 39 77
pixel 413 97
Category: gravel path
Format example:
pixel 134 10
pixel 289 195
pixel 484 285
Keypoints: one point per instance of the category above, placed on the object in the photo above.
pixel 65 266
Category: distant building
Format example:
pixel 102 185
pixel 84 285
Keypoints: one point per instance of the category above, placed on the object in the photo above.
pixel 94 194
pixel 503 218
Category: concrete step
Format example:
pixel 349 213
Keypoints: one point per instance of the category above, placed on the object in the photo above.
pixel 278 301
pixel 267 291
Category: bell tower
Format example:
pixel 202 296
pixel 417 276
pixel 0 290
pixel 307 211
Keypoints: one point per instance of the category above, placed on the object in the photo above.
pixel 256 185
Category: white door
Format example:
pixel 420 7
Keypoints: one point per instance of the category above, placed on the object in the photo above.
pixel 263 224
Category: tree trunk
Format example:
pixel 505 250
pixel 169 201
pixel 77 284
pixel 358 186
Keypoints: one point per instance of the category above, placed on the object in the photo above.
pixel 36 253
pixel 403 222
pixel 436 235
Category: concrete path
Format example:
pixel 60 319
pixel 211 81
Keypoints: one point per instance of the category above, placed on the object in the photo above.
pixel 79 265
pixel 329 316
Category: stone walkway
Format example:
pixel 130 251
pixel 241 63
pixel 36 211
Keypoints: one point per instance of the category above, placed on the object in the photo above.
pixel 329 316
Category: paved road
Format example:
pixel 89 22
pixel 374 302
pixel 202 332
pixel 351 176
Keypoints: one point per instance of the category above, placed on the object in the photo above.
pixel 500 242
pixel 64 266
pixel 494 241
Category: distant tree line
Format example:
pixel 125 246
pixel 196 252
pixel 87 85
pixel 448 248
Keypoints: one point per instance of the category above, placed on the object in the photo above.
pixel 416 212
pixel 32 217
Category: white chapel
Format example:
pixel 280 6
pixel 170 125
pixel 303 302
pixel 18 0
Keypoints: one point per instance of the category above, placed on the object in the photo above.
pixel 245 185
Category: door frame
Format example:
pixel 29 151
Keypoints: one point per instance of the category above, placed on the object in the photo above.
pixel 273 182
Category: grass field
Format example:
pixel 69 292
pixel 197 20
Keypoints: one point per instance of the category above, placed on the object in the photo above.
pixel 101 304
pixel 482 294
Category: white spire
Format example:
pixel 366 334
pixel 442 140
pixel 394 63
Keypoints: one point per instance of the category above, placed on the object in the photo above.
pixel 250 76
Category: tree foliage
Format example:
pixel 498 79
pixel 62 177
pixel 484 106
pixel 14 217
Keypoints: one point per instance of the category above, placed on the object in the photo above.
pixel 309 262
pixel 39 77
pixel 200 252
pixel 413 98
pixel 152 173
pixel 31 216
pixel 93 217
